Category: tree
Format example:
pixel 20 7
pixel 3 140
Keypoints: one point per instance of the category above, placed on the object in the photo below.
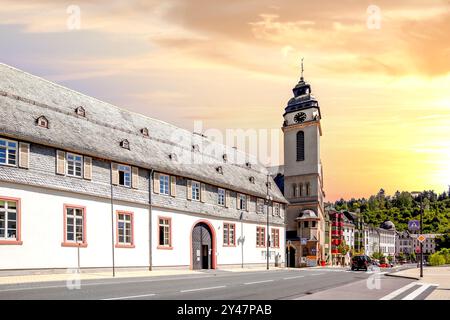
pixel 436 259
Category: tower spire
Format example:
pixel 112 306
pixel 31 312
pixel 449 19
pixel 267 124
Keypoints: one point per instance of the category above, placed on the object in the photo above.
pixel 301 78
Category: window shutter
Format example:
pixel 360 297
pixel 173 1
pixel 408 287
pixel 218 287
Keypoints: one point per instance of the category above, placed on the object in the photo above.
pixel 134 177
pixel 156 182
pixel 238 198
pixel 60 162
pixel 24 155
pixel 114 174
pixel 189 190
pixel 173 186
pixel 87 170
pixel 202 192
pixel 227 198
pixel 248 203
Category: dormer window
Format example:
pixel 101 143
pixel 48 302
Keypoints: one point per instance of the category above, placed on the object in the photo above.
pixel 195 148
pixel 252 179
pixel 125 144
pixel 248 165
pixel 144 132
pixel 42 122
pixel 269 185
pixel 173 156
pixel 80 111
pixel 219 170
pixel 225 157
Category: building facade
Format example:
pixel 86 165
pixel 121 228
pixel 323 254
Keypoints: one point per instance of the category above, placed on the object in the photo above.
pixel 80 174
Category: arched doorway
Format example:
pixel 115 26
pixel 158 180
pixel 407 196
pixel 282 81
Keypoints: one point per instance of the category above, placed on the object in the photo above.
pixel 290 257
pixel 203 246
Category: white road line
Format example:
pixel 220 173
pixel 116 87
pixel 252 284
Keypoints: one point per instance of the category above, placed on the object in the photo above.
pixel 316 274
pixel 200 289
pixel 293 277
pixel 418 291
pixel 131 297
pixel 397 292
pixel 247 283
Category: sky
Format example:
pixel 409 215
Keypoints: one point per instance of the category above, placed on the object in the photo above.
pixel 379 69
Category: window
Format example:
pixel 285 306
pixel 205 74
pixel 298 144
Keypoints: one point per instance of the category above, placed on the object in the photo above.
pixel 74 165
pixel 125 144
pixel 313 224
pixel 144 132
pixel 164 184
pixel 74 226
pixel 164 233
pixel 8 152
pixel 300 193
pixel 300 146
pixel 276 209
pixel 260 236
pixel 42 122
pixel 221 197
pixel 196 190
pixel 294 190
pixel 124 175
pixel 308 189
pixel 80 111
pixel 124 237
pixel 229 234
pixel 242 202
pixel 9 221
pixel 305 224
pixel 259 206
pixel 276 238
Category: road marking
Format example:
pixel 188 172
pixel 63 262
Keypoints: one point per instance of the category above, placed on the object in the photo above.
pixel 316 274
pixel 131 297
pixel 397 292
pixel 247 283
pixel 200 289
pixel 417 292
pixel 293 277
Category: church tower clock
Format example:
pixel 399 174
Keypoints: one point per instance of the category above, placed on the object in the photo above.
pixel 303 177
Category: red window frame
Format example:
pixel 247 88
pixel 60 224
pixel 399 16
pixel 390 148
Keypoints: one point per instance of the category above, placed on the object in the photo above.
pixel 18 240
pixel 125 245
pixel 275 234
pixel 66 243
pixel 260 237
pixel 165 247
pixel 226 243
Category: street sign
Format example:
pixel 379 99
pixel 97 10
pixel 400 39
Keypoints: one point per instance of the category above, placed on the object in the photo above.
pixel 413 225
pixel 421 238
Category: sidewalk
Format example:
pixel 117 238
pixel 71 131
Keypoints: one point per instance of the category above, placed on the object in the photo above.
pixel 97 275
pixel 435 275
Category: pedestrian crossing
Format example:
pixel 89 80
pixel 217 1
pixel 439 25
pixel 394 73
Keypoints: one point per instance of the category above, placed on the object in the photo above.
pixel 412 291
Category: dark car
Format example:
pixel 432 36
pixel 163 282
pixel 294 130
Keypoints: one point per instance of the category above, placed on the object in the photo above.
pixel 361 262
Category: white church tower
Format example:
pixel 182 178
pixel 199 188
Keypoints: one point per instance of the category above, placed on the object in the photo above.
pixel 303 177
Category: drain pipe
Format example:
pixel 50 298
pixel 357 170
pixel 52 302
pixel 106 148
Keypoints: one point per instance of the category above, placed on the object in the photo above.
pixel 150 261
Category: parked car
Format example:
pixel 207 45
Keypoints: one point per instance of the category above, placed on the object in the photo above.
pixel 361 262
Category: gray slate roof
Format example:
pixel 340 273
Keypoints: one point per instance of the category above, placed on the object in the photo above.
pixel 24 98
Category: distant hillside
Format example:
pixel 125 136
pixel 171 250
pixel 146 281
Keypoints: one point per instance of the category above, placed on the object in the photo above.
pixel 402 207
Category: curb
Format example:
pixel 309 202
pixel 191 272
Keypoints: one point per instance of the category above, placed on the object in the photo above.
pixel 400 276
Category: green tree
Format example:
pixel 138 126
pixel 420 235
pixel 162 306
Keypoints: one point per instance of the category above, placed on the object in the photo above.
pixel 436 259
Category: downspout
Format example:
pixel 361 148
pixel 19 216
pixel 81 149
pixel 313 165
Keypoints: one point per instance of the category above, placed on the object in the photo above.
pixel 112 224
pixel 150 261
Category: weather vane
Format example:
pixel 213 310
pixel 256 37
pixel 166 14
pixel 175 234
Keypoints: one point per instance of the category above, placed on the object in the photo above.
pixel 302 70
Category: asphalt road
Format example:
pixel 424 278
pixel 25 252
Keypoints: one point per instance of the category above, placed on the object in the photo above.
pixel 220 285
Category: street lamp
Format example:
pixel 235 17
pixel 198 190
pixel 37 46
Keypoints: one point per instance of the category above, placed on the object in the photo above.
pixel 416 193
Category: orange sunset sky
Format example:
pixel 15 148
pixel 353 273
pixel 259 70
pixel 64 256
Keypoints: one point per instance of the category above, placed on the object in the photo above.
pixel 384 92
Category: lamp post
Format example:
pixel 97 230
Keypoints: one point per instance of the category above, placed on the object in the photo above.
pixel 420 230
pixel 268 199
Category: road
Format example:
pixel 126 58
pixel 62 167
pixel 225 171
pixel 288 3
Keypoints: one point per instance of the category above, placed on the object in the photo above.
pixel 324 283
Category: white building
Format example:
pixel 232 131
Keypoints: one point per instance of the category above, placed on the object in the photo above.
pixel 382 239
pixel 76 172
pixel 349 232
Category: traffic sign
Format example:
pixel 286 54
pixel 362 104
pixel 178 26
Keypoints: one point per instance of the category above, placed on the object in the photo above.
pixel 421 238
pixel 413 225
